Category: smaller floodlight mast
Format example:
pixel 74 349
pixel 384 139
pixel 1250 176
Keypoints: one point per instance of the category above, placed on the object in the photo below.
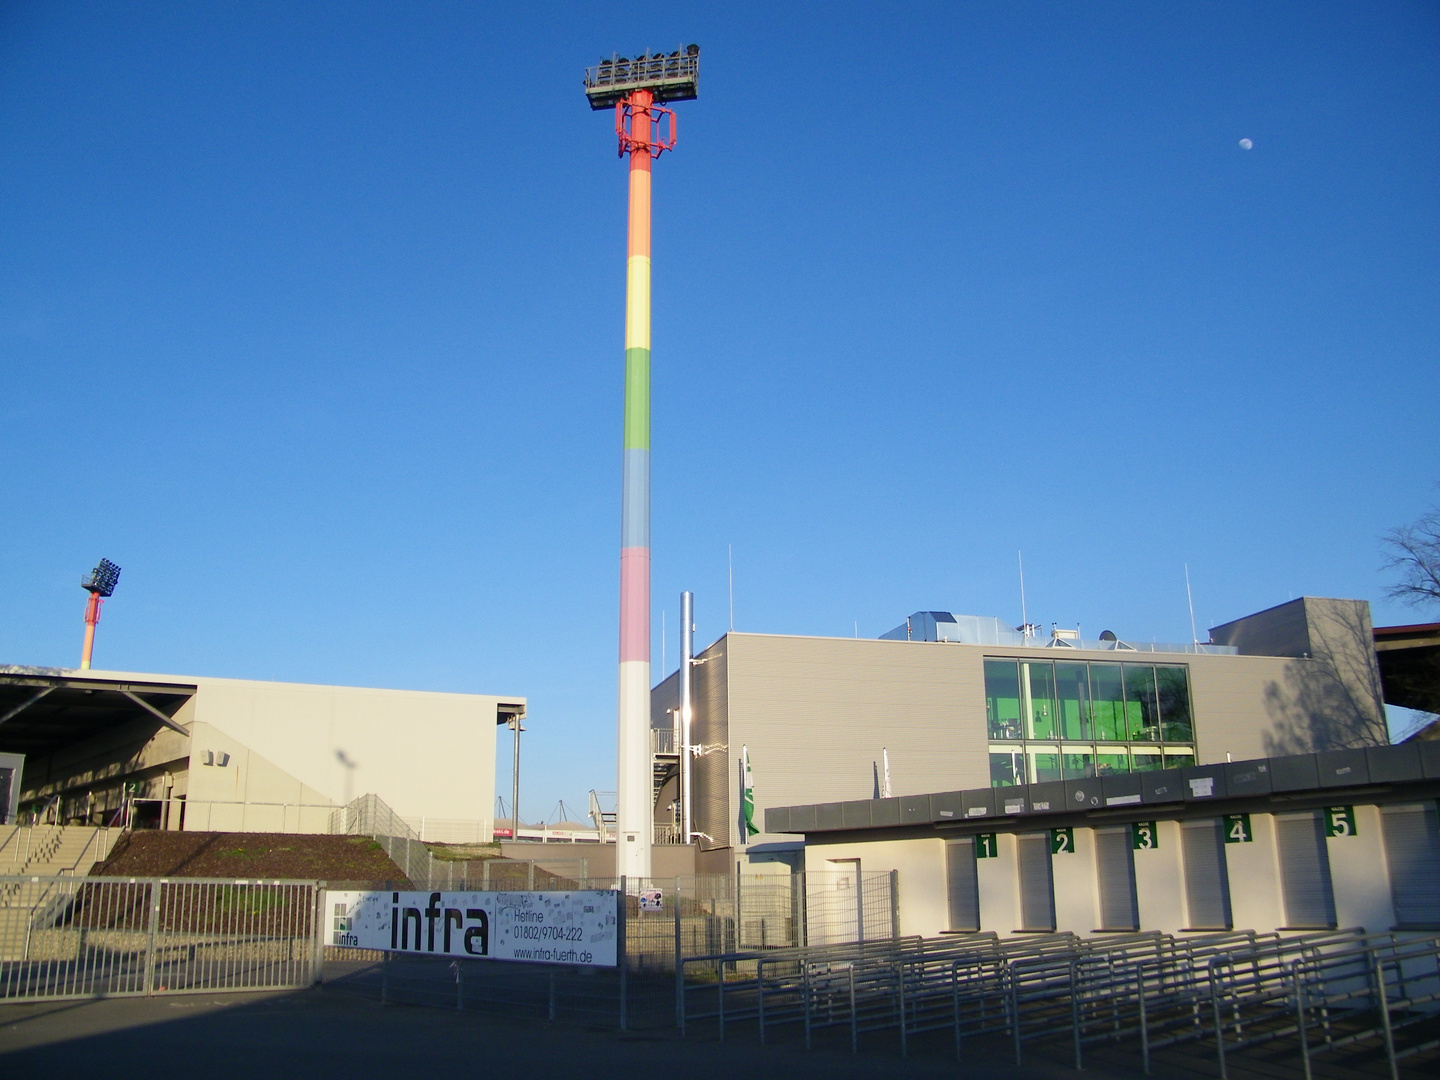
pixel 99 584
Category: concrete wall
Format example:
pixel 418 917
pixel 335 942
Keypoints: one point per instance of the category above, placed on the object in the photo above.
pixel 1329 695
pixel 231 788
pixel 423 753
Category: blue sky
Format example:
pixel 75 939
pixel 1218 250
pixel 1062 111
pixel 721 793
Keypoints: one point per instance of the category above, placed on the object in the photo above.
pixel 311 319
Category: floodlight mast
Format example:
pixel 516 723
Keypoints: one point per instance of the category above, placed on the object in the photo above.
pixel 645 130
pixel 99 584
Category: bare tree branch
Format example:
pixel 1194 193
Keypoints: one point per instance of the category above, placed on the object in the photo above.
pixel 1414 551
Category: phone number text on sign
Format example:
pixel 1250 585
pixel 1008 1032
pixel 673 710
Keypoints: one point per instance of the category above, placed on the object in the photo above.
pixel 531 927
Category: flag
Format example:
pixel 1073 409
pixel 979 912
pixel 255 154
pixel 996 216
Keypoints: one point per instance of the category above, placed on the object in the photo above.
pixel 747 795
pixel 885 791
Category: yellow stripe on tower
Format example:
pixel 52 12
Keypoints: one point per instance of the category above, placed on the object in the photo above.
pixel 637 302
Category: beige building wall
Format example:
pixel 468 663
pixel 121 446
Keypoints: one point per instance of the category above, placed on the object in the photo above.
pixel 818 713
pixel 1076 891
pixel 425 754
pixel 1357 866
pixel 266 756
pixel 1159 881
pixel 1256 902
pixel 999 886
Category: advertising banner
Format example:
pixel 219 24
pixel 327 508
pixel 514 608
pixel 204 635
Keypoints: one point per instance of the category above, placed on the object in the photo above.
pixel 531 927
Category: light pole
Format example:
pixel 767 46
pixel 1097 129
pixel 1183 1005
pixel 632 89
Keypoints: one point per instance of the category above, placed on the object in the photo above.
pixel 634 89
pixel 99 584
pixel 515 781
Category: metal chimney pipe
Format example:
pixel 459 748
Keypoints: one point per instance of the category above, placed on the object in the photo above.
pixel 687 652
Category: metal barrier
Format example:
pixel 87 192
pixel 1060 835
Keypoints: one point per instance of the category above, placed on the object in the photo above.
pixel 69 937
pixel 1322 990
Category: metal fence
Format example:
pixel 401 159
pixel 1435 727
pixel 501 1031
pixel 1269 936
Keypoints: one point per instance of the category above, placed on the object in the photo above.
pixel 69 937
pixel 1313 993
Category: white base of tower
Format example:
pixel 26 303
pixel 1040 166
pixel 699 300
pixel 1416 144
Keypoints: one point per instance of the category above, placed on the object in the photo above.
pixel 634 815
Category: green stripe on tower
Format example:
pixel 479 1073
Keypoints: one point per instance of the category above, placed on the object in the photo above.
pixel 637 399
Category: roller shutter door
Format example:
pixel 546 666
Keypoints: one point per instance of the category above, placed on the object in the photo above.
pixel 962 884
pixel 1037 891
pixel 1207 885
pixel 1304 871
pixel 1115 876
pixel 1412 850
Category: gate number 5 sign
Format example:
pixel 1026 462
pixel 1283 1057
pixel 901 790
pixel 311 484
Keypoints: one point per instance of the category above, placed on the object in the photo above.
pixel 1340 821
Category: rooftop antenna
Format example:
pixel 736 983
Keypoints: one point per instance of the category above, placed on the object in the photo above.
pixel 633 88
pixel 1024 618
pixel 730 567
pixel 100 584
pixel 1194 638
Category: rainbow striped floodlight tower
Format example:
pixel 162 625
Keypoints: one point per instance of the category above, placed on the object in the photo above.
pixel 634 89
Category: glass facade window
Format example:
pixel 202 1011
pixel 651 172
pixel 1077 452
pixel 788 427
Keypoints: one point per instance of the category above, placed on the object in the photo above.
pixel 1007 766
pixel 1044 764
pixel 1077 762
pixel 1002 698
pixel 1072 691
pixel 1069 719
pixel 1038 687
pixel 1111 760
pixel 1107 696
pixel 1142 711
pixel 1174 696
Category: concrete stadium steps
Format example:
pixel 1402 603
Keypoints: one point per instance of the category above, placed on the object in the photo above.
pixel 49 850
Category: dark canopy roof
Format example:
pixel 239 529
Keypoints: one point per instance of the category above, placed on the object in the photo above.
pixel 46 709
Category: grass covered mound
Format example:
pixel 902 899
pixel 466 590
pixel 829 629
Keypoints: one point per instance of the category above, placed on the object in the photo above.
pixel 149 853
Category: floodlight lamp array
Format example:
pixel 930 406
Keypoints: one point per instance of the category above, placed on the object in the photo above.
pixel 101 581
pixel 668 76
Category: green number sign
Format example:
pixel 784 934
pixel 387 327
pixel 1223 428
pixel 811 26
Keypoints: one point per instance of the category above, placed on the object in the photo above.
pixel 986 847
pixel 1144 836
pixel 1237 829
pixel 1062 841
pixel 1340 821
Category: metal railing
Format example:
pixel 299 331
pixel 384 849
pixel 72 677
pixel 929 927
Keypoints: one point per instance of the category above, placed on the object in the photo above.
pixel 1320 991
pixel 645 70
pixel 72 937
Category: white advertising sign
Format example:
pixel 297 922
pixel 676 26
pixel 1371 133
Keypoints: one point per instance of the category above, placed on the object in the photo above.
pixel 532 927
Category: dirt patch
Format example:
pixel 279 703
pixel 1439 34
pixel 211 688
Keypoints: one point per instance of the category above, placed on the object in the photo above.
pixel 334 859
